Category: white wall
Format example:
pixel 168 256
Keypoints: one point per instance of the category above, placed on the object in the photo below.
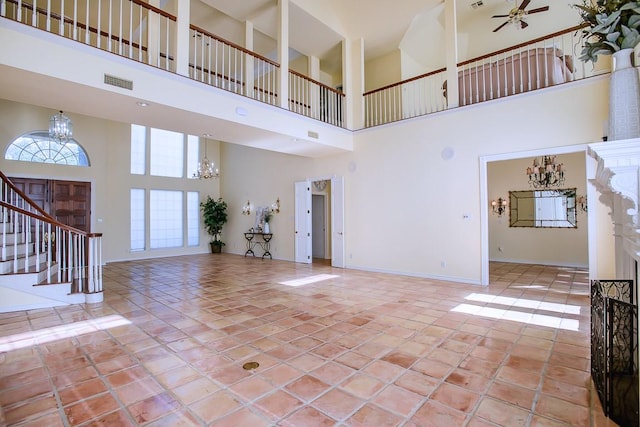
pixel 405 204
pixel 550 246
pixel 108 146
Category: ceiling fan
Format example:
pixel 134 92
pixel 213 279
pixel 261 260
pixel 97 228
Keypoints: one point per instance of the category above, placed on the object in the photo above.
pixel 517 15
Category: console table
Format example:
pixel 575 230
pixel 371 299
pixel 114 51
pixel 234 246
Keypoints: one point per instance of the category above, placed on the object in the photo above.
pixel 254 239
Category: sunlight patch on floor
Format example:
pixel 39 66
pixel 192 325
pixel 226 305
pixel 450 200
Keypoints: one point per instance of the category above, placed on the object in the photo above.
pixel 42 336
pixel 309 280
pixel 525 303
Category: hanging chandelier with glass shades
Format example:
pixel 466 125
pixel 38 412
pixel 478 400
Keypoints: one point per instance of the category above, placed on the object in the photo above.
pixel 206 168
pixel 60 128
pixel 546 172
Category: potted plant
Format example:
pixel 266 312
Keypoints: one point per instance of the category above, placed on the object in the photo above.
pixel 267 218
pixel 610 26
pixel 214 216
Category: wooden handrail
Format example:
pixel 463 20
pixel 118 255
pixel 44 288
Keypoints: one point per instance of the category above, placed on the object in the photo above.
pixel 48 220
pixel 240 48
pixel 479 58
pixel 405 81
pixel 154 9
pixel 336 91
pixel 24 196
pixel 519 45
pixel 66 20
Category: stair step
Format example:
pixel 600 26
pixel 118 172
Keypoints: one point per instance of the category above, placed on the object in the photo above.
pixel 7 266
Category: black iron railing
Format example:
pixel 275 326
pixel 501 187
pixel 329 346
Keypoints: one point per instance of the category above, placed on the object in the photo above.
pixel 614 349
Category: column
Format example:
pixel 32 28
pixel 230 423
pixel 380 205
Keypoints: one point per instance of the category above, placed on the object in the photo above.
pixel 182 38
pixel 353 82
pixel 451 52
pixel 250 64
pixel 283 53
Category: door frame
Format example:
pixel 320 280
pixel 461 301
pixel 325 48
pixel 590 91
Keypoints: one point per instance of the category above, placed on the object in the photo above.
pixel 333 203
pixel 484 201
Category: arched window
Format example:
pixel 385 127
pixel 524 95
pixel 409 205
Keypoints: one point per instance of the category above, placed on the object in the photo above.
pixel 38 147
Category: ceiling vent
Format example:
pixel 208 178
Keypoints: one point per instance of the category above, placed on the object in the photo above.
pixel 118 82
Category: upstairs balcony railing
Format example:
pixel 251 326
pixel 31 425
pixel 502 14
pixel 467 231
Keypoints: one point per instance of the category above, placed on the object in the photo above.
pixel 131 28
pixel 225 65
pixel 144 33
pixel 540 63
pixel 314 99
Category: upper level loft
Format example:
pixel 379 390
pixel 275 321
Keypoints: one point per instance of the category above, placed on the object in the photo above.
pixel 279 54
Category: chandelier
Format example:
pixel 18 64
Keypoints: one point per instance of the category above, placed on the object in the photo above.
pixel 60 127
pixel 546 172
pixel 206 168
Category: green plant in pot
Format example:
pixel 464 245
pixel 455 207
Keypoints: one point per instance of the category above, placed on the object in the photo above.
pixel 214 216
pixel 610 26
pixel 268 215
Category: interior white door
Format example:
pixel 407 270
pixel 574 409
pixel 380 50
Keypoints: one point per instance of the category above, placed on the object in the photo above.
pixel 337 222
pixel 303 222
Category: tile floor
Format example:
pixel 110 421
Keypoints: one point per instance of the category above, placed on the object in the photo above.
pixel 334 347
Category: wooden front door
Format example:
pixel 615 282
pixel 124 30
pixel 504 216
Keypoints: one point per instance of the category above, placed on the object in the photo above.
pixel 35 189
pixel 69 202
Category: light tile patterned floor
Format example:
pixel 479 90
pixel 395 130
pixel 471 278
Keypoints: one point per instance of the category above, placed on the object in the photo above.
pixel 334 347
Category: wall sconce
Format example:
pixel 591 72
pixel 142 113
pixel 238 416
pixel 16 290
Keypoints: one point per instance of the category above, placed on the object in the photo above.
pixel 246 209
pixel 582 203
pixel 499 206
pixel 275 207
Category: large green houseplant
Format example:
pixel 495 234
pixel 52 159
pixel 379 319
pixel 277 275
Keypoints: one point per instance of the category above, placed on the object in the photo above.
pixel 610 26
pixel 214 216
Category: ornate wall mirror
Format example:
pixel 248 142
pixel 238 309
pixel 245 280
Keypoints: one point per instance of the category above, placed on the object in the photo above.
pixel 543 208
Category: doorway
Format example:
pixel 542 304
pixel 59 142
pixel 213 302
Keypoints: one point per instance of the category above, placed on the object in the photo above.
pixel 318 228
pixel 69 202
pixel 327 215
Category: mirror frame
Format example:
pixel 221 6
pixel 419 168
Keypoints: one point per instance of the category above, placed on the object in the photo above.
pixel 571 213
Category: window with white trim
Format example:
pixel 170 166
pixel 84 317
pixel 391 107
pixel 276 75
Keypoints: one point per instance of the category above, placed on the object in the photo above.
pixel 38 147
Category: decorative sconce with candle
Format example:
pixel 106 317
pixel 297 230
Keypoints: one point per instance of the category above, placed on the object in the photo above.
pixel 499 206
pixel 582 203
pixel 246 209
pixel 275 207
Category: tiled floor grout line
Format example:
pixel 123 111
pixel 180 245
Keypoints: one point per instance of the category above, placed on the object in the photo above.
pixel 228 312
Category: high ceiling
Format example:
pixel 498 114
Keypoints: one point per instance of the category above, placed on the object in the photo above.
pixel 318 27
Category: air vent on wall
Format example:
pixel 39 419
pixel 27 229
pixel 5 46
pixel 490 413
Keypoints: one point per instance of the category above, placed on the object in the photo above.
pixel 118 82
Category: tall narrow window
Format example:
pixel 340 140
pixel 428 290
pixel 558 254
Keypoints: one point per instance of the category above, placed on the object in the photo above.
pixel 165 219
pixel 137 220
pixel 167 153
pixel 193 152
pixel 138 149
pixel 193 219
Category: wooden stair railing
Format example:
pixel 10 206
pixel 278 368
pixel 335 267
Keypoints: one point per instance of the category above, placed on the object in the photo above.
pixel 34 242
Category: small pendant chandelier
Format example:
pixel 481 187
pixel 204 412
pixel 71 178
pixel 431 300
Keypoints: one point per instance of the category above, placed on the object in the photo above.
pixel 546 173
pixel 206 168
pixel 60 128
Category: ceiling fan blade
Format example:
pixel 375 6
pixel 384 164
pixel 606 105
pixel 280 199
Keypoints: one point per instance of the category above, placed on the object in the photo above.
pixel 500 16
pixel 524 4
pixel 523 24
pixel 540 9
pixel 500 27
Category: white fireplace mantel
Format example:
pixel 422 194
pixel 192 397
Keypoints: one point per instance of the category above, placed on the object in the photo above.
pixel 617 179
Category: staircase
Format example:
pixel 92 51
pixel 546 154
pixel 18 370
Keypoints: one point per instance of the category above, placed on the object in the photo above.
pixel 44 263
